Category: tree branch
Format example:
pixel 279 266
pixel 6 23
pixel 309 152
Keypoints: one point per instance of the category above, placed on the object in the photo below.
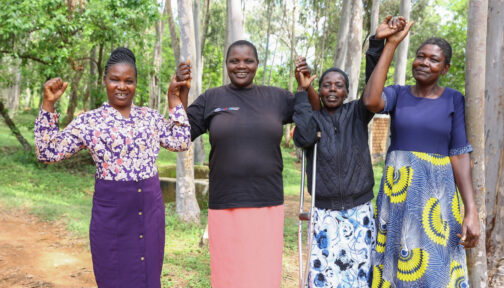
pixel 26 56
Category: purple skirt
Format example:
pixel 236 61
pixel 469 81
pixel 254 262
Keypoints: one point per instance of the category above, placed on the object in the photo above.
pixel 127 233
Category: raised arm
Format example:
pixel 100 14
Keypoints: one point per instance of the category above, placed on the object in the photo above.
pixel 313 97
pixel 175 131
pixel 305 133
pixel 51 144
pixel 389 26
pixel 374 88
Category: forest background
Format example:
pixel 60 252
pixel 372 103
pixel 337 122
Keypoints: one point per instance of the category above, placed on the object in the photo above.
pixel 71 39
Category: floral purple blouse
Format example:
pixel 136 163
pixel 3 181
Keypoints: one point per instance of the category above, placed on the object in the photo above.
pixel 123 149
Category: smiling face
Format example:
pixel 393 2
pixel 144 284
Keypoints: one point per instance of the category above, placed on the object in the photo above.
pixel 429 64
pixel 121 84
pixel 332 91
pixel 241 65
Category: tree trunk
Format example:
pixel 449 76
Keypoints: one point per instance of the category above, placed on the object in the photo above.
pixel 272 61
pixel 199 148
pixel 87 100
pixel 99 67
pixel 15 89
pixel 268 31
pixel 494 145
pixel 287 136
pixel 314 36
pixel 322 49
pixel 154 85
pixel 402 50
pixel 173 39
pixel 375 14
pixel 475 109
pixel 205 23
pixel 187 205
pixel 234 31
pixel 283 23
pixel 14 129
pixel 28 97
pixel 343 28
pixel 173 31
pixel 72 104
pixel 354 50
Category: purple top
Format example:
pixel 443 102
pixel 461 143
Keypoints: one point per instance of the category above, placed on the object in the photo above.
pixel 124 149
pixel 426 125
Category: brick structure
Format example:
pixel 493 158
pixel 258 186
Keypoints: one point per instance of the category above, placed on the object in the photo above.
pixel 378 134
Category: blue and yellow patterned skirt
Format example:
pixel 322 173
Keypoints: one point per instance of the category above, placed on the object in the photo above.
pixel 417 219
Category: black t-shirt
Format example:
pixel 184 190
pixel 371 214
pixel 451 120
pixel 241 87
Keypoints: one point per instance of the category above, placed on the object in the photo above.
pixel 245 127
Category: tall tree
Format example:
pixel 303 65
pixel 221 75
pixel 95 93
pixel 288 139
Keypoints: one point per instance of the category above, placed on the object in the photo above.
pixel 173 30
pixel 26 146
pixel 15 88
pixel 354 50
pixel 292 59
pixel 475 108
pixel 322 54
pixel 343 30
pixel 494 145
pixel 205 24
pixel 174 39
pixel 187 205
pixel 74 88
pixel 402 50
pixel 234 29
pixel 154 83
pixel 268 32
pixel 91 84
pixel 199 147
pixel 375 14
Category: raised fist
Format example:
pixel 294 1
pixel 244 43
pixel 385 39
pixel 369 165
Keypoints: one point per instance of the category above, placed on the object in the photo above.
pixel 53 89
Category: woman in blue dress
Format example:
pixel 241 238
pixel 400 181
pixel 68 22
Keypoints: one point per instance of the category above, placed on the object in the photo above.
pixel 421 233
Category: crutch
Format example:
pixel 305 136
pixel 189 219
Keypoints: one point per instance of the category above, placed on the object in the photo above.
pixel 306 216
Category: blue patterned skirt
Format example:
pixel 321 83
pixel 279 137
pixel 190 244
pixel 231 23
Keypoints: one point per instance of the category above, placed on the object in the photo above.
pixel 341 249
pixel 418 217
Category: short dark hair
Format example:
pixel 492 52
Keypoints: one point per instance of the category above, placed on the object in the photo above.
pixel 337 70
pixel 242 43
pixel 121 55
pixel 442 44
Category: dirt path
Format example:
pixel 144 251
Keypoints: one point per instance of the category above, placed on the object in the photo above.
pixel 39 254
pixel 290 271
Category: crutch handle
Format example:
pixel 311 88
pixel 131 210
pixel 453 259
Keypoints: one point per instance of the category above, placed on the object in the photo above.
pixel 319 135
pixel 304 216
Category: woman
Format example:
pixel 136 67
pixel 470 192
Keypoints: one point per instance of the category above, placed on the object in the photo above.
pixel 344 231
pixel 245 216
pixel 127 229
pixel 418 217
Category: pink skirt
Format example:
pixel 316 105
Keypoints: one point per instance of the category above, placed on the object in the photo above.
pixel 246 247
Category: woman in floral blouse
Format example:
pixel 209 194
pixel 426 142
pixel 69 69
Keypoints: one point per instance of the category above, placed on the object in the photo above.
pixel 127 229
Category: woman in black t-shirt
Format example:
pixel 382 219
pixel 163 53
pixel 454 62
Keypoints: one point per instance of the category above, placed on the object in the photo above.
pixel 246 213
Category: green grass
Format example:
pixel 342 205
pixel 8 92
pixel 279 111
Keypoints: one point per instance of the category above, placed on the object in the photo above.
pixel 291 173
pixel 183 255
pixel 52 192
